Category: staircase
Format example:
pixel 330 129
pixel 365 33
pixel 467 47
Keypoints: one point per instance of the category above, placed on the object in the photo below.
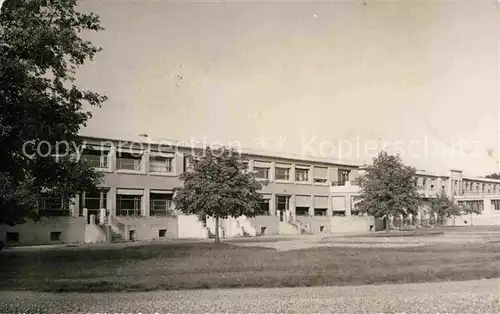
pixel 288 228
pixel 116 237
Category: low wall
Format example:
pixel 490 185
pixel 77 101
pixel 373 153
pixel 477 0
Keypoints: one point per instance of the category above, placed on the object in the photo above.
pixel 148 228
pixel 190 227
pixel 315 224
pixel 72 230
pixel 270 223
pixel 352 224
pixel 94 234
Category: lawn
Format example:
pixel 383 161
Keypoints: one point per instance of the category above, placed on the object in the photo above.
pixel 206 265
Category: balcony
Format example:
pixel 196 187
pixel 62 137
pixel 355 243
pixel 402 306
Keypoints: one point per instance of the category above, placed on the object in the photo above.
pixel 346 187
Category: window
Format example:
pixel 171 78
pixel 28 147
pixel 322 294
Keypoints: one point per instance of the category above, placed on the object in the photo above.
pixel 264 207
pixel 160 164
pixel 53 206
pixel 282 203
pixel 343 177
pixel 302 211
pixel 55 236
pixel 320 174
pixel 162 233
pixel 476 204
pixel 261 173
pixel 338 213
pixel 128 205
pixel 128 161
pixel 12 237
pixel 282 173
pixel 96 158
pixel 495 204
pixel 320 211
pixel 301 175
pixel 161 204
pixel 94 200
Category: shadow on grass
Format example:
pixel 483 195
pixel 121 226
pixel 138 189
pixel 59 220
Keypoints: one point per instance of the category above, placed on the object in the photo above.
pixel 208 266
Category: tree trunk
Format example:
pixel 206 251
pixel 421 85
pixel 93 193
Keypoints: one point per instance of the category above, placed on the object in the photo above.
pixel 217 238
pixel 387 224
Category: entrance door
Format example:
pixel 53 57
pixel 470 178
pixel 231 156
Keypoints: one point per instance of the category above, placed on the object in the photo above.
pixel 282 203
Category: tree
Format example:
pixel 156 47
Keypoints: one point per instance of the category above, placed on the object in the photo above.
pixel 469 210
pixel 41 109
pixel 217 185
pixel 444 208
pixel 493 176
pixel 388 188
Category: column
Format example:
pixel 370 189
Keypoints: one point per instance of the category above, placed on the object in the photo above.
pixel 311 206
pixel 291 207
pixel 112 158
pixel 272 205
pixel 292 173
pixel 329 212
pixel 75 206
pixel 250 165
pixel 347 199
pixel 145 203
pixel 112 202
pixel 271 171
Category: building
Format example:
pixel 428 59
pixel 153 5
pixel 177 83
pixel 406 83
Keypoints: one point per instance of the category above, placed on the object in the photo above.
pixel 304 195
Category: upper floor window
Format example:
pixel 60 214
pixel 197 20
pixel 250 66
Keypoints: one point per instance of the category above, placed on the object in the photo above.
pixel 128 161
pixel 320 174
pixel 343 177
pixel 161 164
pixel 282 173
pixel 301 174
pixel 261 173
pixel 96 158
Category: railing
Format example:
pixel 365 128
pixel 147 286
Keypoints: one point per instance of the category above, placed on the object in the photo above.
pixel 118 226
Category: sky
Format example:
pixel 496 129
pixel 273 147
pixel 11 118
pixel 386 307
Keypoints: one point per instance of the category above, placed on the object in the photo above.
pixel 339 79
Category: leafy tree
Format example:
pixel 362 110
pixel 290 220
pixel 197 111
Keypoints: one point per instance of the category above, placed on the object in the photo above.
pixel 493 176
pixel 469 210
pixel 388 188
pixel 40 49
pixel 217 185
pixel 444 208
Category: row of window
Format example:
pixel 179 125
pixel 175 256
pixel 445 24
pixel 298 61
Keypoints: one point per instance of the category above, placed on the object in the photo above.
pixel 302 174
pixel 479 204
pixel 129 161
pixel 164 164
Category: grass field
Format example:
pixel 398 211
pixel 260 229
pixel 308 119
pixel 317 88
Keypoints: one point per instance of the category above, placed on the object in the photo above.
pixel 204 265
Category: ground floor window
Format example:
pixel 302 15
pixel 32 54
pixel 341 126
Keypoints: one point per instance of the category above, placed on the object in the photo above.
pixel 475 204
pixel 338 213
pixel 282 203
pixel 495 204
pixel 161 204
pixel 320 211
pixel 12 237
pixel 302 211
pixel 264 207
pixel 128 205
pixel 53 206
pixel 94 200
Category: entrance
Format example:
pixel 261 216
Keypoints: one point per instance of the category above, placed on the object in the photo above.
pixel 282 203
